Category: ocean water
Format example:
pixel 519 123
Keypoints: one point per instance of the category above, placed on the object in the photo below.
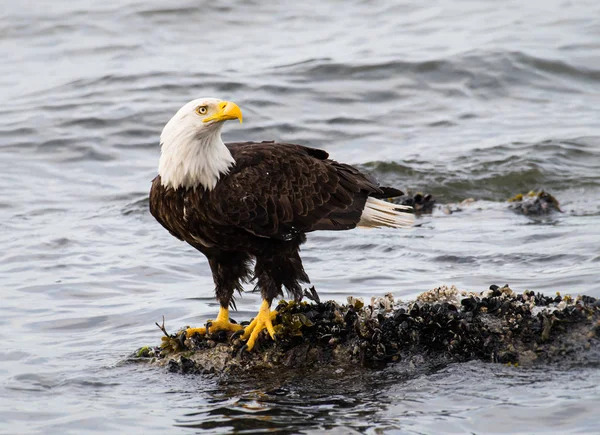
pixel 474 99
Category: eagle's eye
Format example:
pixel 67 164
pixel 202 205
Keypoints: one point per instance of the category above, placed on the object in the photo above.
pixel 202 110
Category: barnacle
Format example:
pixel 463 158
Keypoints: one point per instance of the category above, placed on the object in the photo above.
pixel 496 325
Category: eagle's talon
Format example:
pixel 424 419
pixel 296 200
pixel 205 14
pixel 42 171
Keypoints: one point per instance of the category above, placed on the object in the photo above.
pixel 264 320
pixel 191 331
pixel 236 334
pixel 221 323
pixel 243 350
pixel 181 338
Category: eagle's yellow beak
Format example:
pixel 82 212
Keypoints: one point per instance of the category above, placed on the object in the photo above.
pixel 227 110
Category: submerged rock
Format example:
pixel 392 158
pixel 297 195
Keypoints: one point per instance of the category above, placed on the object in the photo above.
pixel 530 204
pixel 442 326
pixel 534 203
pixel 421 203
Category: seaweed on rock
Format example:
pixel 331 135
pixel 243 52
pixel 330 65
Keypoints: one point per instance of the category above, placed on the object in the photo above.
pixel 443 325
pixel 534 203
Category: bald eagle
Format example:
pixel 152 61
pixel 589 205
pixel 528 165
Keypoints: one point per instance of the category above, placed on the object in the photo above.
pixel 251 204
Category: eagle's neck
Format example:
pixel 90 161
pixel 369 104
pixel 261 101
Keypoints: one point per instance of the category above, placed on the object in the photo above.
pixel 190 161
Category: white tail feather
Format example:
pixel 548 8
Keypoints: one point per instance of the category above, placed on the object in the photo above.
pixel 378 213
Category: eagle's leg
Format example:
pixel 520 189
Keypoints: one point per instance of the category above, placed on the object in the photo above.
pixel 228 271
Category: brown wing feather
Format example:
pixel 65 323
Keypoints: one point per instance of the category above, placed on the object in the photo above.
pixel 277 190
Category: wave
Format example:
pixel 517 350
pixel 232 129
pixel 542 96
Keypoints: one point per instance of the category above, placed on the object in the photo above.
pixel 497 173
pixel 473 70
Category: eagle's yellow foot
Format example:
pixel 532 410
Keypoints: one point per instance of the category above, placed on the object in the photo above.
pixel 264 319
pixel 191 331
pixel 221 323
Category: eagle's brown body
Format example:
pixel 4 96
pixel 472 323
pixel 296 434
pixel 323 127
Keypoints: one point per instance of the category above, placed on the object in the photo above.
pixel 261 210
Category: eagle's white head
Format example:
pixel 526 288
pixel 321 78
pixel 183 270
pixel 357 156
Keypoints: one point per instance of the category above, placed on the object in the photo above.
pixel 192 153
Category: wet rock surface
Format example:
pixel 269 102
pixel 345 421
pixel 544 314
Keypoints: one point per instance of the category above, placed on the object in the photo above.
pixel 420 202
pixel 534 203
pixel 442 326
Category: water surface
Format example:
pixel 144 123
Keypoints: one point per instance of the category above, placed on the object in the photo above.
pixel 458 99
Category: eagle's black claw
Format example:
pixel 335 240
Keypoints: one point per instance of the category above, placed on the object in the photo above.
pixel 236 334
pixel 243 350
pixel 181 338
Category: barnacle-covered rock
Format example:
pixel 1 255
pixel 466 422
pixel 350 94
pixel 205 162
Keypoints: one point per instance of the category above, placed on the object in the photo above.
pixel 534 203
pixel 420 202
pixel 441 326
